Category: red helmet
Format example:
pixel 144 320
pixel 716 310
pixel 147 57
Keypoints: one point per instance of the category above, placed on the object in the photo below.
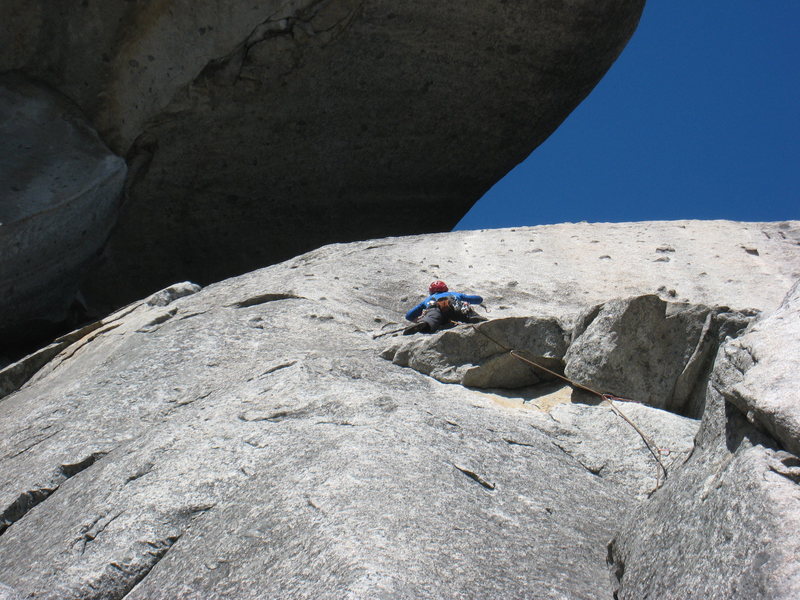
pixel 437 287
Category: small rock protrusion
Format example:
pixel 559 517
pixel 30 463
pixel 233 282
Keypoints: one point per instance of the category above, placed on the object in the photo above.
pixel 172 293
pixel 663 291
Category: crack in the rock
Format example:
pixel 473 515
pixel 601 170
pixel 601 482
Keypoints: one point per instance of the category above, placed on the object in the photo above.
pixel 687 379
pixel 29 499
pixel 616 567
pixel 70 470
pixel 34 444
pixel 264 298
pixel 150 326
pixel 176 404
pixel 158 551
pixel 194 314
pixel 227 70
pixel 278 367
pixel 516 443
pixel 22 505
pixel 89 532
pixel 275 417
pixel 195 509
pixel 475 477
pixel 593 471
pixel 73 348
pixel 141 472
pixel 16 375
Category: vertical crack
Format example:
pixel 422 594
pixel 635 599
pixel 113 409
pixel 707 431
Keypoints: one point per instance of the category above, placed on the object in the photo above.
pixel 616 567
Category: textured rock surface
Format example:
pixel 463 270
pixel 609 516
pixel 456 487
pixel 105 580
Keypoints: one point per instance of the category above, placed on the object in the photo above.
pixel 334 471
pixel 477 357
pixel 650 350
pixel 61 188
pixel 265 129
pixel 249 441
pixel 758 370
pixel 584 432
pixel 727 525
pixel 7 593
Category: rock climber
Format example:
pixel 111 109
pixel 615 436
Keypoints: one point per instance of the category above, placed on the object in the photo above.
pixel 441 308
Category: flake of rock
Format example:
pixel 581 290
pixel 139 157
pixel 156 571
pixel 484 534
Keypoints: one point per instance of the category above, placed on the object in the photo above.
pixel 753 372
pixel 478 355
pixel 649 350
pixel 172 293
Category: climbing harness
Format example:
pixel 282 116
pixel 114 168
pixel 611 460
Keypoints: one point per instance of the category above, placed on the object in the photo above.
pixel 452 305
pixel 610 398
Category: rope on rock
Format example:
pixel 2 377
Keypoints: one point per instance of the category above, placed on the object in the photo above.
pixel 390 332
pixel 651 446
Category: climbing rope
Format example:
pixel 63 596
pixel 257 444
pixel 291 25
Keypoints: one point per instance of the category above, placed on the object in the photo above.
pixel 390 332
pixel 610 398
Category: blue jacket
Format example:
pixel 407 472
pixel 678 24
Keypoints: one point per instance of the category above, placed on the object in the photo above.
pixel 417 310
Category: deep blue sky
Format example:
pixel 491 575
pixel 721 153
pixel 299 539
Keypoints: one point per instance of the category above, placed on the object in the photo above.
pixel 699 118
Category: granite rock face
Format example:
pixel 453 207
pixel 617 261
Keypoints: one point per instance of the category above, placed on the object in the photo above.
pixel 754 372
pixel 7 593
pixel 727 524
pixel 275 453
pixel 248 440
pixel 61 189
pixel 265 129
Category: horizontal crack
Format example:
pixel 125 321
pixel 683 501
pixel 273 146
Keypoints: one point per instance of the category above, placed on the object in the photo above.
pixel 278 367
pixel 71 470
pixel 516 443
pixel 263 299
pixel 275 417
